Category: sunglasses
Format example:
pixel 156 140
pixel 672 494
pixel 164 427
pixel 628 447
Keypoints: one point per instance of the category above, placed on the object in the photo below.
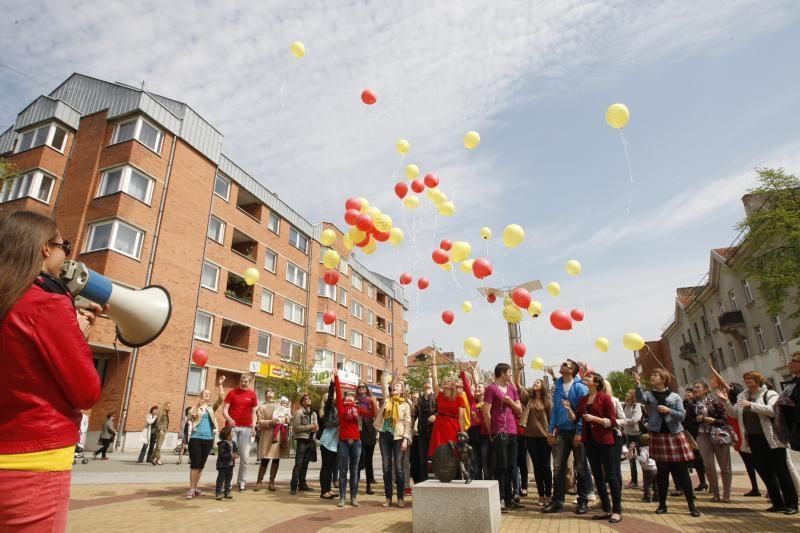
pixel 66 246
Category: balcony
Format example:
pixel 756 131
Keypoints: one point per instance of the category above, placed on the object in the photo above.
pixel 380 349
pixel 233 335
pixel 244 245
pixel 687 352
pixel 249 204
pixel 732 323
pixel 381 298
pixel 238 289
pixel 381 323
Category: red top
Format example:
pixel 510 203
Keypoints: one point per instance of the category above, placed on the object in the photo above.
pixel 46 374
pixel 603 407
pixel 349 413
pixel 734 423
pixel 242 403
pixel 446 425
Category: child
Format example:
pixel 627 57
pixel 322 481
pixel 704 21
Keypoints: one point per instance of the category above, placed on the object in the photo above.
pixel 227 453
pixel 648 468
pixel 280 416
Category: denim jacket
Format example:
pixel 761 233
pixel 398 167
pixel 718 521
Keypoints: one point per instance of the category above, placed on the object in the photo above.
pixel 654 418
pixel 558 416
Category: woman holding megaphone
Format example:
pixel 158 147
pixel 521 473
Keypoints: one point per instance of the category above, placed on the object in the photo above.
pixel 46 373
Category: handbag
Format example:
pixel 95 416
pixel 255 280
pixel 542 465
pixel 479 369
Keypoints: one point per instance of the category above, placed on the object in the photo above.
pixel 722 435
pixel 690 440
pixel 313 458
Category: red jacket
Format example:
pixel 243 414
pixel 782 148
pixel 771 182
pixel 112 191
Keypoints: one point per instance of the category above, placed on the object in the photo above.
pixel 46 374
pixel 603 407
pixel 349 413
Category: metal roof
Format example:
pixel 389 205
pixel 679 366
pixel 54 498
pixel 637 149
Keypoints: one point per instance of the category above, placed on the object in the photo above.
pixel 46 108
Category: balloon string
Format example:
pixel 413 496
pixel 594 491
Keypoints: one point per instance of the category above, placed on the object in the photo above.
pixel 630 171
pixel 416 315
pixel 402 159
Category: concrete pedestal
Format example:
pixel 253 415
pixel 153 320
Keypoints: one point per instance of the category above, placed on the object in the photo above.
pixel 456 507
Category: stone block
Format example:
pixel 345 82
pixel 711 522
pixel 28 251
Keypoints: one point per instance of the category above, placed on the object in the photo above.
pixel 456 507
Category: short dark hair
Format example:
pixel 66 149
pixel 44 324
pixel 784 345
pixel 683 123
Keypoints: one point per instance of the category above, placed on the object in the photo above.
pixel 109 415
pixel 225 433
pixel 501 369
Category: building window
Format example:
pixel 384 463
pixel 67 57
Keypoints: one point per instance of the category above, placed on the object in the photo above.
pixel 222 187
pixel 776 321
pixel 115 235
pixel 274 223
pixel 356 339
pixel 746 346
pixel 267 297
pixel 197 379
pixel 369 344
pixel 49 134
pixel 357 310
pixel 685 379
pixel 370 317
pixel 389 328
pixel 323 358
pixel 343 267
pixel 298 240
pixel 697 331
pixel 216 229
pixel 732 298
pixel 210 276
pixel 721 358
pixel 35 184
pixel 370 373
pixel 355 368
pixel 296 275
pixel 370 291
pixel 748 293
pixel 762 346
pixel 203 325
pixel 327 291
pixel 128 180
pixel 341 329
pixel 322 327
pixel 263 344
pixel 294 312
pixel 732 349
pixel 343 296
pixel 291 351
pixel 704 320
pixel 713 321
pixel 141 130
pixel 357 282
pixel 271 261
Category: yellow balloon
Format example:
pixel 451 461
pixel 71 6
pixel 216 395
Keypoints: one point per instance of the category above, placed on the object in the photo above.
pixel 251 276
pixel 402 146
pixel 412 171
pixel 382 222
pixel 364 205
pixel 466 266
pixel 633 342
pixel 328 237
pixel 330 259
pixel 373 211
pixel 447 267
pixel 507 300
pixel 433 193
pixel 512 314
pixel 460 251
pixel 356 235
pixel 486 233
pixel 411 202
pixel 535 309
pixel 466 307
pixel 554 288
pixel 447 209
pixel 347 241
pixel 573 267
pixel 601 344
pixel 472 345
pixel 617 115
pixel 396 236
pixel 513 235
pixel 471 140
pixel 439 199
pixel 298 49
pixel 371 246
pixel 537 363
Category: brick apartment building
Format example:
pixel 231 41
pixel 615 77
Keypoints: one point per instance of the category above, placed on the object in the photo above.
pixel 138 182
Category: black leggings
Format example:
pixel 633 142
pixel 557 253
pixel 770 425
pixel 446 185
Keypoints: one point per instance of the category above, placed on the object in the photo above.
pixel 747 459
pixel 365 463
pixel 604 462
pixel 680 472
pixel 198 452
pixel 326 470
pixel 105 444
pixel 540 454
pixel 522 462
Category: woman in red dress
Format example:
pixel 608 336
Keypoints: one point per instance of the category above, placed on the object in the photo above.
pixel 451 409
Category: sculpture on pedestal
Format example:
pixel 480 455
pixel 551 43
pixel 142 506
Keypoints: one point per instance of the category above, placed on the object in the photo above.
pixel 449 458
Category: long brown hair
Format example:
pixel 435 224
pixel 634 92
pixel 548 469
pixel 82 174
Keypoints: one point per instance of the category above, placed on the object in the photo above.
pixel 542 399
pixel 22 235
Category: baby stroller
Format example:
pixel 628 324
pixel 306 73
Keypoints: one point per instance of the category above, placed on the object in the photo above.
pixel 79 447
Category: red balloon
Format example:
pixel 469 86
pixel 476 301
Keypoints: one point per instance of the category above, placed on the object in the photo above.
pixel 440 257
pixel 561 320
pixel 405 278
pixel 381 236
pixel 576 314
pixel 353 203
pixel 351 216
pixel 368 97
pixel 331 277
pixel 200 357
pixel 448 317
pixel 401 189
pixel 328 317
pixel 521 298
pixel 364 242
pixel 417 186
pixel 423 283
pixel 445 245
pixel 481 268
pixel 491 298
pixel 519 349
pixel 364 222
pixel 431 180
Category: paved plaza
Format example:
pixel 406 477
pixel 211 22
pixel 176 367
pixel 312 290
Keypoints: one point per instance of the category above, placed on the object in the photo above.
pixel 119 495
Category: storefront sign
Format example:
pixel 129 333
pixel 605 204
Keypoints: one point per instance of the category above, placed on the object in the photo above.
pixel 376 390
pixel 322 377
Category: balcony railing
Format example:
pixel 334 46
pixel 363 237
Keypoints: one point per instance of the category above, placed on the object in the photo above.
pixel 687 351
pixel 731 320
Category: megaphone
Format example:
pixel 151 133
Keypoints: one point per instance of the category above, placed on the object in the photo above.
pixel 140 315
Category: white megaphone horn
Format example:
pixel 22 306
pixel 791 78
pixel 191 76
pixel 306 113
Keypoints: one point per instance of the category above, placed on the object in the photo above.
pixel 140 315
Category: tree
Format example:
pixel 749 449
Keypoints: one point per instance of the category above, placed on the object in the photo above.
pixel 300 378
pixel 6 171
pixel 417 376
pixel 771 246
pixel 621 383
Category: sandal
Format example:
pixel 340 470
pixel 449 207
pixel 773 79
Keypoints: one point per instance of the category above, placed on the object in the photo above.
pixel 604 516
pixel 327 496
pixel 615 518
pixel 387 503
pixel 271 486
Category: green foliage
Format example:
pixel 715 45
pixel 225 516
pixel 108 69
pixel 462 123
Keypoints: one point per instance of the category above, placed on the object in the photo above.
pixel 6 171
pixel 418 375
pixel 772 243
pixel 299 382
pixel 621 383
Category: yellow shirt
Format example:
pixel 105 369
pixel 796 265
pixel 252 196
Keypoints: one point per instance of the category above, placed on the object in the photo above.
pixel 466 411
pixel 58 460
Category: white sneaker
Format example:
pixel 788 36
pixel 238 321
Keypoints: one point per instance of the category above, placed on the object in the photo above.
pixel 241 486
pixel 190 494
pixel 592 497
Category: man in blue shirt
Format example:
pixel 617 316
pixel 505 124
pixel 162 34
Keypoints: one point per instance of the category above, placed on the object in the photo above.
pixel 565 436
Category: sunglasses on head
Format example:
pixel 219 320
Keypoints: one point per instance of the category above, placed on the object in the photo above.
pixel 65 245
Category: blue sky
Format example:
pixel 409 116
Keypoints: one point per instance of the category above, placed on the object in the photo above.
pixel 711 86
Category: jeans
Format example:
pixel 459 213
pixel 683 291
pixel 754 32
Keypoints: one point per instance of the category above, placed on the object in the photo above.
pixel 242 437
pixel 618 442
pixel 422 448
pixel 326 471
pixel 650 485
pixel 303 453
pixel 563 447
pixel 522 463
pixel 349 454
pixel 722 452
pixel 604 460
pixel 505 456
pixel 634 439
pixel 34 501
pixel 476 468
pixel 391 458
pixel 540 452
pixel 224 478
pixel 487 457
pixel 770 463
